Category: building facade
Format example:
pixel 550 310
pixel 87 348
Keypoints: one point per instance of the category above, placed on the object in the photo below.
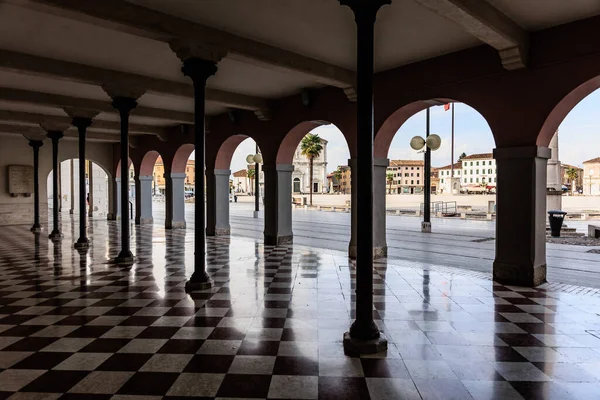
pixel 450 184
pixel 407 177
pixel 479 170
pixel 301 174
pixel 158 184
pixel 566 181
pixel 591 177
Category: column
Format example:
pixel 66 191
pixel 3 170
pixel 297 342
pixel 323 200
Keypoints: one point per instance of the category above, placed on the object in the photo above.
pixel 143 200
pixel 278 204
pixel 55 136
pixel 521 215
pixel 114 194
pixel 82 123
pixel 90 189
pixel 199 63
pixel 124 100
pixel 36 144
pixel 118 199
pixel 175 200
pixel 72 191
pixel 217 202
pixel 59 187
pixel 379 208
pixel 364 335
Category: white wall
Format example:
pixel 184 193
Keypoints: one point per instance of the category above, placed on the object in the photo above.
pixel 15 150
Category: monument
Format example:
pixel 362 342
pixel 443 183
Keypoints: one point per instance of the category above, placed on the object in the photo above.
pixel 554 178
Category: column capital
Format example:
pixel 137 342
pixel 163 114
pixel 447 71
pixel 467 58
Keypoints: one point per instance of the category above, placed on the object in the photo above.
pixel 36 144
pixel 81 122
pixel 199 69
pixel 186 50
pixel 81 113
pixel 119 91
pixel 365 10
pixel 55 135
pixel 124 104
pixel 54 126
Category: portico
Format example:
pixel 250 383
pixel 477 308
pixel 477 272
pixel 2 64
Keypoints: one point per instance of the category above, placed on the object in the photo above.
pixel 142 79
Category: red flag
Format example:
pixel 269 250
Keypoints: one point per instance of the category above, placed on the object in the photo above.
pixel 446 106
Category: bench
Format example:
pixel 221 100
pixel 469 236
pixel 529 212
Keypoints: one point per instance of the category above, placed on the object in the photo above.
pixel 594 231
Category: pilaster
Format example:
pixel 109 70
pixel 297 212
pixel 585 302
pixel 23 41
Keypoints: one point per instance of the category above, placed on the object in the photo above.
pixel 521 215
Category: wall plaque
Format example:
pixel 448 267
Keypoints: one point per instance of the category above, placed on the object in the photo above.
pixel 20 180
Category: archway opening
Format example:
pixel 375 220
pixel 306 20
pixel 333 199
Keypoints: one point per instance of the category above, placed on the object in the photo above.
pixel 327 181
pixel 245 185
pixel 462 181
pixel 97 189
pixel 573 172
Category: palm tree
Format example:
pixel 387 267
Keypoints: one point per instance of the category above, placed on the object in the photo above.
pixel 390 180
pixel 251 174
pixel 311 147
pixel 572 174
pixel 337 174
pixel 463 155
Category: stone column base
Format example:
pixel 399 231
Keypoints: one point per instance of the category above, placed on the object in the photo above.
pixel 191 286
pixel 55 235
pixel 278 240
pixel 81 244
pixel 378 252
pixel 175 225
pixel 426 227
pixel 508 274
pixel 355 347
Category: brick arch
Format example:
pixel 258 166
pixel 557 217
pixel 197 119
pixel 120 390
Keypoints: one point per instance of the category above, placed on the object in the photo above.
pixel 563 108
pixel 181 157
pixel 226 150
pixel 118 170
pixel 386 133
pixel 146 167
pixel 289 144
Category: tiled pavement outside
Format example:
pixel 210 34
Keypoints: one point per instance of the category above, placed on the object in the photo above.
pixel 79 327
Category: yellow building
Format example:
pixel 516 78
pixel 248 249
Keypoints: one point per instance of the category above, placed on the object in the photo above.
pixel 159 176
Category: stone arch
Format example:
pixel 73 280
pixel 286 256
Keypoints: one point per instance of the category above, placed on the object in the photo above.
pixel 146 167
pixel 562 109
pixel 118 169
pixel 389 128
pixel 227 148
pixel 287 148
pixel 181 157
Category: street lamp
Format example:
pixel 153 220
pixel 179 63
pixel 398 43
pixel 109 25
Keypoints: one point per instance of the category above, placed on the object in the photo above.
pixel 431 142
pixel 257 159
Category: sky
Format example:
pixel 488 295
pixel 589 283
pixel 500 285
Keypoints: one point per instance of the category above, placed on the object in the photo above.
pixel 579 136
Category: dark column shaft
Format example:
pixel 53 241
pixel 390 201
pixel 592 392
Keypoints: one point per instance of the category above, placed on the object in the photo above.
pixel 256 185
pixel 55 137
pixel 427 180
pixel 82 124
pixel 199 172
pixel 199 70
pixel 124 105
pixel 36 144
pixel 365 12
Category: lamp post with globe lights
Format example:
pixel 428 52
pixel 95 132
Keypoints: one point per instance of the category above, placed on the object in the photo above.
pixel 430 143
pixel 257 159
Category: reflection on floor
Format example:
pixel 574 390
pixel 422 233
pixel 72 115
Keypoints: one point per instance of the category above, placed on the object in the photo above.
pixel 81 328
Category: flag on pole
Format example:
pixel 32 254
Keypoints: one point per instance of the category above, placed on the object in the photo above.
pixel 446 106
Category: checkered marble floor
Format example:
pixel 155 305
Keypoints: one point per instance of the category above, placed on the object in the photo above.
pixel 78 327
